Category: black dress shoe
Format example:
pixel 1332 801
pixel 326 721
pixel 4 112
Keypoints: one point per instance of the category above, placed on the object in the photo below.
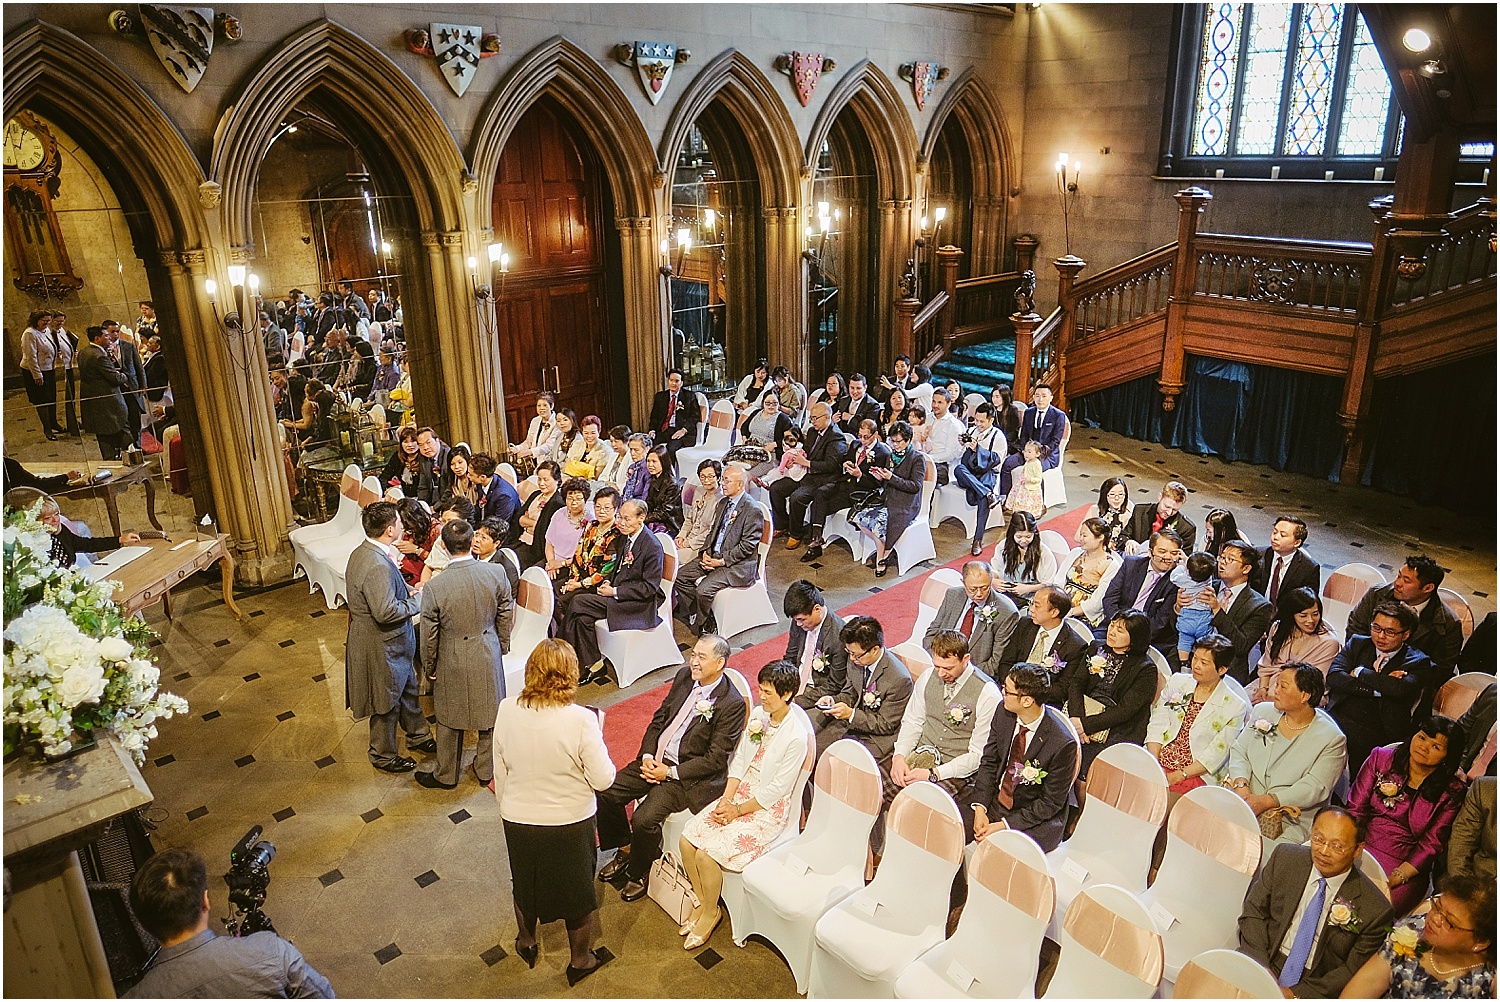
pixel 614 867
pixel 428 747
pixel 577 974
pixel 633 890
pixel 398 765
pixel 813 553
pixel 430 781
pixel 527 953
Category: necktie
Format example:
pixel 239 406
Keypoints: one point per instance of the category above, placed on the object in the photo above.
pixel 1275 581
pixel 671 408
pixel 1038 649
pixel 677 724
pixel 809 651
pixel 1156 525
pixel 1007 794
pixel 723 526
pixel 966 625
pixel 1307 931
pixel 1152 575
pixel 1380 660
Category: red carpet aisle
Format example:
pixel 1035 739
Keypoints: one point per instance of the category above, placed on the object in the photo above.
pixel 895 607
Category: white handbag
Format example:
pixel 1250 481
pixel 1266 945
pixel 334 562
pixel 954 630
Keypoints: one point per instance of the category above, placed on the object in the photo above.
pixel 670 888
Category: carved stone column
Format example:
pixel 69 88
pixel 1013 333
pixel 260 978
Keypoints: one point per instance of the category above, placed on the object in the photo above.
pixel 1025 245
pixel 947 262
pixel 460 401
pixel 647 333
pixel 786 291
pixel 1191 203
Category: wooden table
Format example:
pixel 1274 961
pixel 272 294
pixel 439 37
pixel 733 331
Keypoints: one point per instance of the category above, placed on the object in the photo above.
pixel 150 577
pixel 121 477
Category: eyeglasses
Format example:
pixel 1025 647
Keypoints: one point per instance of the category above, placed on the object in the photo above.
pixel 860 656
pixel 1339 848
pixel 1386 631
pixel 1447 920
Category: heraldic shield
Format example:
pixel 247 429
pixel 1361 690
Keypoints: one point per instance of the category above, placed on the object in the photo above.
pixel 456 47
pixel 182 38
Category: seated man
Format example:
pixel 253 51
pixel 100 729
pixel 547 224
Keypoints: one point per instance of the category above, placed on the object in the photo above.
pixel 876 688
pixel 1027 769
pixel 1150 519
pixel 674 415
pixel 1471 849
pixel 813 644
pixel 1478 722
pixel 169 897
pixel 488 536
pixel 730 559
pixel 866 453
pixel 1437 632
pixel 944 728
pixel 858 407
pixel 824 450
pixel 682 765
pixel 627 601
pixel 1284 565
pixel 984 617
pixel 1291 922
pixel 1044 638
pixel 983 448
pixel 1144 582
pixel 497 498
pixel 1376 682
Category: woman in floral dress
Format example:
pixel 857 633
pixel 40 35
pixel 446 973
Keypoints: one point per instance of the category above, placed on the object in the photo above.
pixel 1446 952
pixel 757 804
pixel 1407 796
pixel 1087 572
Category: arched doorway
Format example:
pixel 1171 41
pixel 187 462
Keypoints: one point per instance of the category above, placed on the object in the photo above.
pixel 555 313
pixel 950 188
pixel 971 162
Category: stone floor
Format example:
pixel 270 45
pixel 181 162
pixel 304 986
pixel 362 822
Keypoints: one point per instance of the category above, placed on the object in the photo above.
pixel 393 890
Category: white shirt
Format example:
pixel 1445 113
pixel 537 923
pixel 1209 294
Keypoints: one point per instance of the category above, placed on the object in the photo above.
pixel 943 439
pixel 391 553
pixel 809 651
pixel 915 717
pixel 1329 897
pixel 1416 608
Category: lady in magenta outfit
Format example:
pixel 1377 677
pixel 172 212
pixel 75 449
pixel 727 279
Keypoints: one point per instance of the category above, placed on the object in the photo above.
pixel 1408 795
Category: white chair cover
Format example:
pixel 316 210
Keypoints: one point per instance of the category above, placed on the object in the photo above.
pixel 1342 591
pixel 324 555
pixel 1370 867
pixel 1213 842
pixel 948 502
pixel 1054 542
pixel 741 609
pixel 837 526
pixel 973 400
pixel 1163 669
pixel 934 587
pixel 790 888
pixel 1459 606
pixel 635 653
pixel 1126 802
pixel 861 946
pixel 507 472
pixel 534 598
pixel 915 545
pixel 1225 974
pixel 1110 948
pixel 1054 490
pixel 733 892
pixel 994 952
pixel 717 439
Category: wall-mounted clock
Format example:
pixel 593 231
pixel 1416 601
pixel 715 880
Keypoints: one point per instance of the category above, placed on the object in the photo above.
pixel 33 177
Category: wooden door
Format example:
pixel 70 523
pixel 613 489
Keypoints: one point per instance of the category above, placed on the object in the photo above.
pixel 551 308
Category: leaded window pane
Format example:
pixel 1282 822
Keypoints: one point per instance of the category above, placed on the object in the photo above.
pixel 1265 64
pixel 1312 79
pixel 1216 78
pixel 1367 98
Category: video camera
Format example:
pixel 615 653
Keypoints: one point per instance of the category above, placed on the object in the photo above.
pixel 248 877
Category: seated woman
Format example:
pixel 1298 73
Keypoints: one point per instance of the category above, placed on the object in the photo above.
pixel 901 498
pixel 567 525
pixel 616 470
pixel 66 544
pixel 761 429
pixel 1287 759
pixel 1022 564
pixel 535 515
pixel 402 470
pixel 1446 950
pixel 638 480
pixel 1218 528
pixel 456 480
pixel 1196 719
pixel 698 524
pixel 1110 697
pixel 540 431
pixel 564 434
pixel 748 393
pixel 1088 571
pixel 1407 796
pixel 758 800
pixel 588 453
pixel 663 493
pixel 1298 636
pixel 896 409
pixel 1008 415
pixel 1114 509
pixel 835 392
pixel 957 406
pixel 592 564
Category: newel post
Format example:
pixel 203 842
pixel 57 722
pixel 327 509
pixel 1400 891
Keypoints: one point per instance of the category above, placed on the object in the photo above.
pixel 1359 381
pixel 1191 202
pixel 1068 269
pixel 906 312
pixel 1025 245
pixel 947 259
pixel 1025 324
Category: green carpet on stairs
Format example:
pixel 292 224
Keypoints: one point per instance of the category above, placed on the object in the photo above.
pixel 978 367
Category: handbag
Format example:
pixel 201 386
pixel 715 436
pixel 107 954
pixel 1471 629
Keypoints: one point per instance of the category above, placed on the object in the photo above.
pixel 149 444
pixel 749 455
pixel 670 888
pixel 580 468
pixel 1272 822
pixel 1091 706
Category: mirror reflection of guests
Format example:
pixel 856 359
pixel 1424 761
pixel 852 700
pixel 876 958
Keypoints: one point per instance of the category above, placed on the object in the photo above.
pixel 66 544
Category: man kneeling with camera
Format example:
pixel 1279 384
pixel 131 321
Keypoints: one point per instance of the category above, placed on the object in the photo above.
pixel 170 899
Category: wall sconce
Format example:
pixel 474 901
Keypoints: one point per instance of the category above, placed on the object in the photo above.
pixel 709 218
pixel 666 268
pixel 1067 193
pixel 211 290
pixel 1416 40
pixel 236 275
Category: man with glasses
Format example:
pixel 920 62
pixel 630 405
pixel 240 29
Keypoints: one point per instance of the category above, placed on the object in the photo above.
pixel 1239 612
pixel 823 460
pixel 1311 917
pixel 982 616
pixel 1377 682
pixel 1028 765
pixel 876 689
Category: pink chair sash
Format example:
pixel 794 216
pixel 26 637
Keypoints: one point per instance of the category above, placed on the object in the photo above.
pixel 531 598
pixel 933 592
pixel 668 568
pixel 1118 942
pixel 366 497
pixel 927 829
pixel 349 487
pixel 914 667
pixel 1196 983
pixel 721 419
pixel 843 782
pixel 1216 837
pixel 1028 889
pixel 1127 792
pixel 1345 588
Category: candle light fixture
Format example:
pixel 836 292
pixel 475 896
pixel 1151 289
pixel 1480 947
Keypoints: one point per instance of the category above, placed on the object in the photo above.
pixel 1067 193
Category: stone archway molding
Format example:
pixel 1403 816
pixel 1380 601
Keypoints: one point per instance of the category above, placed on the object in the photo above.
pixel 993 158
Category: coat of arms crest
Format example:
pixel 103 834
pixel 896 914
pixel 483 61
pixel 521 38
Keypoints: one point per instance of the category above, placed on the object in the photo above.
pixel 924 78
pixel 653 62
pixel 182 38
pixel 805 69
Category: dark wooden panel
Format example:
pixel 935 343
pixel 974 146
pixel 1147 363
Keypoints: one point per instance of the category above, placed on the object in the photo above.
pixel 1124 354
pixel 1285 339
pixel 575 317
pixel 1439 330
pixel 517 322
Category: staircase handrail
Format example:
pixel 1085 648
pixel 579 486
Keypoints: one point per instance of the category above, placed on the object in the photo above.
pixel 1136 266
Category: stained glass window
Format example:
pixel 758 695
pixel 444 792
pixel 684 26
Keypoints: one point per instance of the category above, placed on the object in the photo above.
pixel 1367 97
pixel 1216 78
pixel 1265 65
pixel 1312 79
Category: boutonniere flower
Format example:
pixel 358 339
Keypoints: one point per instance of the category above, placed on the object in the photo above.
pixel 757 726
pixel 1097 663
pixel 872 700
pixel 987 613
pixel 820 662
pixel 957 714
pixel 1405 942
pixel 1178 702
pixel 629 557
pixel 1263 727
pixel 1030 773
pixel 704 710
pixel 1342 916
pixel 1389 789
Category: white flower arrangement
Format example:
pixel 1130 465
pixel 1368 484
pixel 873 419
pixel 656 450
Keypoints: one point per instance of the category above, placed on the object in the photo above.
pixel 872 700
pixel 1097 664
pixel 73 661
pixel 757 726
pixel 957 714
pixel 820 662
pixel 703 710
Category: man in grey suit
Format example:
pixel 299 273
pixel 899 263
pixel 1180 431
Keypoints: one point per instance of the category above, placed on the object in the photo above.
pixel 380 678
pixel 1471 850
pixel 466 616
pixel 985 617
pixel 128 356
pixel 876 689
pixel 730 558
pixel 1311 916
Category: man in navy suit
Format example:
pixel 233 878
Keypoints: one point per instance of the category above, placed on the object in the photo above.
pixel 683 764
pixel 858 406
pixel 1285 565
pixel 1144 582
pixel 674 415
pixel 1028 764
pixel 1042 423
pixel 1378 684
pixel 1239 612
pixel 628 601
pixel 497 498
pixel 824 462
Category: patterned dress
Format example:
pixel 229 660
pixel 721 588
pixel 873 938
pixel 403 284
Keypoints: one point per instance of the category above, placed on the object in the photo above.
pixel 739 843
pixel 1410 980
pixel 1178 753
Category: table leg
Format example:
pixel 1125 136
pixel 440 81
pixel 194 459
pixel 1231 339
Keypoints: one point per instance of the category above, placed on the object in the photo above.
pixel 166 602
pixel 151 503
pixel 113 508
pixel 226 570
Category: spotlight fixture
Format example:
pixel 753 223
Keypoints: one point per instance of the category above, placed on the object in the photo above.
pixel 1416 40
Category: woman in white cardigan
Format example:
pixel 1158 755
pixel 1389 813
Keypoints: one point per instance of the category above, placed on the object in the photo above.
pixel 540 430
pixel 550 759
pixel 759 801
pixel 1196 718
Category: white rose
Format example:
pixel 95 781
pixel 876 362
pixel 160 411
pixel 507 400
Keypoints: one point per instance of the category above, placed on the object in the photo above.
pixel 1340 914
pixel 144 674
pixel 80 684
pixel 115 649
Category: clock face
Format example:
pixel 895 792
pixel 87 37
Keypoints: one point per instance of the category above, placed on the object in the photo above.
pixel 23 148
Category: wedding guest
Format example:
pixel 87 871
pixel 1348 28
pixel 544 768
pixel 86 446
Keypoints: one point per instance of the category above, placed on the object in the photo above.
pixel 1448 952
pixel 539 432
pixel 698 518
pixel 1022 565
pixel 1471 850
pixel 567 526
pixel 1026 772
pixel 1219 528
pixel 1088 572
pixel 663 492
pixel 1300 635
pixel 535 515
pixel 1197 718
pixel 1114 509
pixel 1377 683
pixel 900 496
pixel 1109 701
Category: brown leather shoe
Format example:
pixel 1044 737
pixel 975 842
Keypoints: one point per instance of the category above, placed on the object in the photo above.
pixel 792 542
